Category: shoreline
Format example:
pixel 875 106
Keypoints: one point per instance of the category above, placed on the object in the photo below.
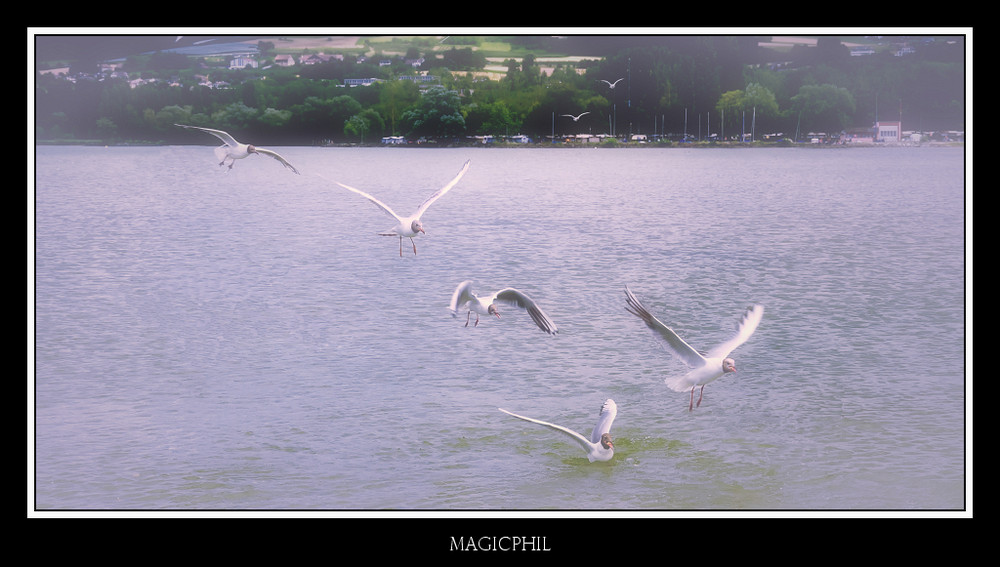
pixel 619 145
pixel 548 145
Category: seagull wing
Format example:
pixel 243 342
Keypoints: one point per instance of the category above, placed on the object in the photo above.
pixel 462 294
pixel 511 296
pixel 277 157
pixel 437 194
pixel 690 356
pixel 224 136
pixel 385 208
pixel 744 328
pixel 608 412
pixel 587 446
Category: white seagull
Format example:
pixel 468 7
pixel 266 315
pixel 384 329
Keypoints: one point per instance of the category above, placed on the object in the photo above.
pixel 409 226
pixel 233 150
pixel 600 446
pixel 464 298
pixel 577 118
pixel 610 84
pixel 705 367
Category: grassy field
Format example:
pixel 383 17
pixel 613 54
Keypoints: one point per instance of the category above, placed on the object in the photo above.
pixel 493 48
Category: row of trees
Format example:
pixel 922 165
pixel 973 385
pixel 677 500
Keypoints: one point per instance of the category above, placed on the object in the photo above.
pixel 696 85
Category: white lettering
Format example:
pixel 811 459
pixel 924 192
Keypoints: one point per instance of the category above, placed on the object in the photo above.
pixel 499 543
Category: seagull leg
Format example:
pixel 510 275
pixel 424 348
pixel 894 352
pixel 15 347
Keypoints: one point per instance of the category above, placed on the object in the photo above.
pixel 400 246
pixel 702 393
pixel 691 404
pixel 477 320
pixel 414 247
pixel 467 317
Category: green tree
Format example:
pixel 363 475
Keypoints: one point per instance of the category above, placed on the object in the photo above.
pixel 730 108
pixel 494 118
pixel 363 123
pixel 394 97
pixel 824 107
pixel 761 100
pixel 235 116
pixel 437 114
pixel 324 118
pixel 107 129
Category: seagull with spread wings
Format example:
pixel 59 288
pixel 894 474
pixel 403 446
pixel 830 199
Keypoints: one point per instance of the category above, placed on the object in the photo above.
pixel 409 226
pixel 600 446
pixel 233 150
pixel 464 298
pixel 705 367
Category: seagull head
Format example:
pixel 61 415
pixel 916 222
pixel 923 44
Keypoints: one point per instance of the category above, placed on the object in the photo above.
pixel 728 365
pixel 416 227
pixel 492 310
pixel 251 149
pixel 606 441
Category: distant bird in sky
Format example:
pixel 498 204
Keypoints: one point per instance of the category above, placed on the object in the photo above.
pixel 409 226
pixel 600 446
pixel 576 118
pixel 464 298
pixel 233 150
pixel 705 367
pixel 610 84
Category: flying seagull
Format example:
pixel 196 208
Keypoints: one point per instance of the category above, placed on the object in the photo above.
pixel 610 84
pixel 464 298
pixel 409 226
pixel 600 446
pixel 705 367
pixel 233 150
pixel 576 118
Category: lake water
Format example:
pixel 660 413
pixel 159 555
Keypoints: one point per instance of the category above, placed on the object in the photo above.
pixel 244 340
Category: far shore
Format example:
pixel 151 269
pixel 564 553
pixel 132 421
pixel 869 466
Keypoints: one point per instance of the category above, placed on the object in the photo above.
pixel 547 145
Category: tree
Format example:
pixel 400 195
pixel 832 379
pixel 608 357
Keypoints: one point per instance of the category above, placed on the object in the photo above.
pixel 234 117
pixel 324 118
pixel 106 129
pixel 364 122
pixel 824 107
pixel 436 114
pixel 730 108
pixel 760 99
pixel 394 97
pixel 493 118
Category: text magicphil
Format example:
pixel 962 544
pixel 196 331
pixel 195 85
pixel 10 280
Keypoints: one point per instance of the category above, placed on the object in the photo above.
pixel 500 543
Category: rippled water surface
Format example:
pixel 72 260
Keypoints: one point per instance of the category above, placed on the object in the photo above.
pixel 208 340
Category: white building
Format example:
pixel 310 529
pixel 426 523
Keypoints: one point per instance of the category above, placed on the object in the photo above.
pixel 243 61
pixel 890 132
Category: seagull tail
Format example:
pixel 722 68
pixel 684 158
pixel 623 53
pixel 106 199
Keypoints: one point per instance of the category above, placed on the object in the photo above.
pixel 677 383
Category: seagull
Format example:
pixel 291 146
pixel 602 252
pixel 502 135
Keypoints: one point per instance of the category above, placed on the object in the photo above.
pixel 600 446
pixel 576 118
pixel 610 84
pixel 705 367
pixel 409 226
pixel 463 298
pixel 233 150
